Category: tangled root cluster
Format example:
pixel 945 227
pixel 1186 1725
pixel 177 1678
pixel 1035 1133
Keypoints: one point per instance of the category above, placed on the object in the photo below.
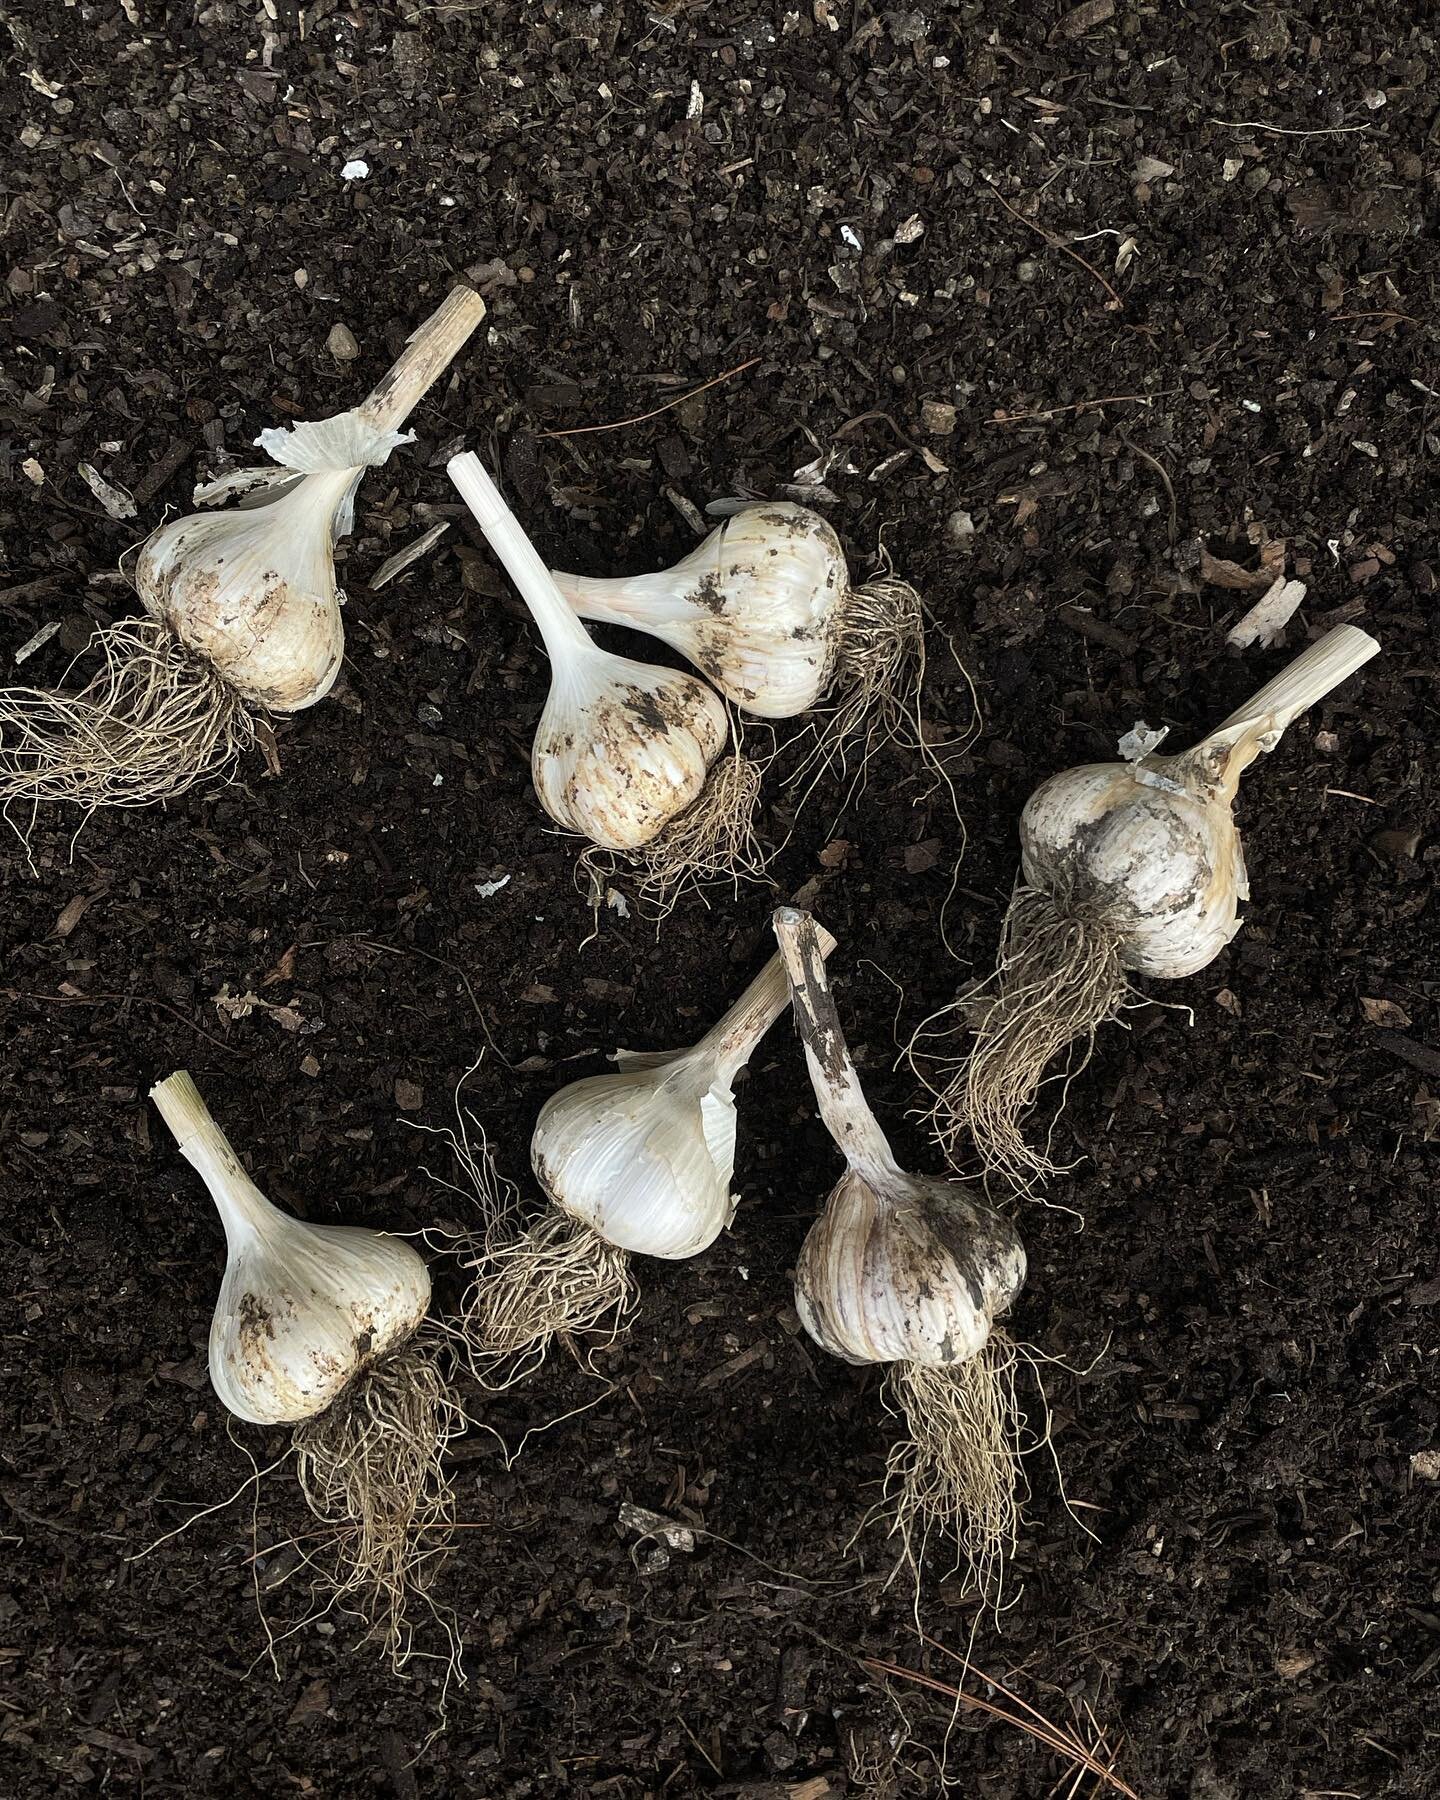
pixel 1058 979
pixel 558 1277
pixel 372 1467
pixel 149 724
pixel 957 1470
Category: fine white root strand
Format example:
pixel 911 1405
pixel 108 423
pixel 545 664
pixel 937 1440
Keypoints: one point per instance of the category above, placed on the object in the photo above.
pixel 957 1473
pixel 372 1467
pixel 876 690
pixel 1058 979
pixel 150 723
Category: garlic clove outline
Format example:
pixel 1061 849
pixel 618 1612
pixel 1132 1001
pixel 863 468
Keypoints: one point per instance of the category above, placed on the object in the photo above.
pixel 623 747
pixel 303 1308
pixel 645 1157
pixel 756 607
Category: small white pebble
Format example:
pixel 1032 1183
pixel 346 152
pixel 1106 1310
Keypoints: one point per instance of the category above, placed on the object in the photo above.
pixel 355 170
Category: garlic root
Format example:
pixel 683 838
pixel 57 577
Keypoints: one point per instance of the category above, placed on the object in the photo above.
pixel 1060 977
pixel 714 840
pixel 149 724
pixel 957 1469
pixel 558 1278
pixel 372 1467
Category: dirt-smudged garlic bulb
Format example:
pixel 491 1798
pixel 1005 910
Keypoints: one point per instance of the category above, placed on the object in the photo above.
pixel 321 1327
pixel 638 1162
pixel 757 607
pixel 1131 867
pixel 766 609
pixel 625 752
pixel 243 613
pixel 913 1272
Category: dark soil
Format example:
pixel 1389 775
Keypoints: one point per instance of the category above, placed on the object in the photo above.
pixel 1252 1609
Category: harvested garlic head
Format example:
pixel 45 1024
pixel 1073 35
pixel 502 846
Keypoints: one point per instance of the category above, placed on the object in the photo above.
pixel 303 1308
pixel 252 592
pixel 756 607
pixel 1149 846
pixel 623 747
pixel 898 1267
pixel 645 1157
pixel 911 1271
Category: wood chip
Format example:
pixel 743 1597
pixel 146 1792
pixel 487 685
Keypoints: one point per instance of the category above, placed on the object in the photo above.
pixel 1266 620
pixel 402 559
pixel 115 499
pixel 1083 18
pixel 1419 1056
pixel 41 638
pixel 737 1365
pixel 1219 571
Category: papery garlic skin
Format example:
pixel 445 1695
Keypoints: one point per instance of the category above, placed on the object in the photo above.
pixel 645 1157
pixel 906 1270
pixel 303 1308
pixel 622 747
pixel 756 607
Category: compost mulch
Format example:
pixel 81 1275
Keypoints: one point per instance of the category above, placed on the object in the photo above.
pixel 1245 1594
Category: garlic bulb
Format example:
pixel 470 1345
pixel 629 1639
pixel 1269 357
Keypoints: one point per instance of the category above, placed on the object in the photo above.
pixel 303 1308
pixel 1129 867
pixel 322 1328
pixel 758 607
pixel 645 1157
pixel 636 1162
pixel 242 611
pixel 622 747
pixel 252 592
pixel 912 1271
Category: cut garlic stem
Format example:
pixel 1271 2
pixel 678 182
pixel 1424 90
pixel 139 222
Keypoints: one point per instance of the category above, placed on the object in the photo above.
pixel 833 1074
pixel 565 637
pixel 431 349
pixel 242 1207
pixel 731 1041
pixel 1300 685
